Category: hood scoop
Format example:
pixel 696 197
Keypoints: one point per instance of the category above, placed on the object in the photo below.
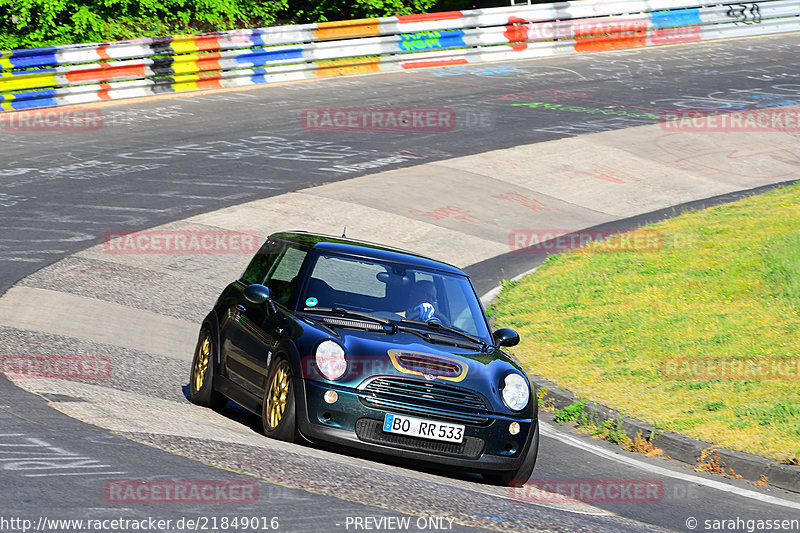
pixel 427 365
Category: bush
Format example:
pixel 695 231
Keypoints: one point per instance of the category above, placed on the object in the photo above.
pixel 33 23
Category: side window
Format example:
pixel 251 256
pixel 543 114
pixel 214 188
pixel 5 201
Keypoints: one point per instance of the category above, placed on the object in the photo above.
pixel 262 263
pixel 465 313
pixel 282 280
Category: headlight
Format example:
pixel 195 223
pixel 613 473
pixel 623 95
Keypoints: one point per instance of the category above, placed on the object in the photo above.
pixel 515 392
pixel 330 360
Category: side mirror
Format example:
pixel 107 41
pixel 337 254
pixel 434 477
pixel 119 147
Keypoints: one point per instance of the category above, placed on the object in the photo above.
pixel 505 337
pixel 257 294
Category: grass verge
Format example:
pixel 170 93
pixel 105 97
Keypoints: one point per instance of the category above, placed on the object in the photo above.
pixel 699 335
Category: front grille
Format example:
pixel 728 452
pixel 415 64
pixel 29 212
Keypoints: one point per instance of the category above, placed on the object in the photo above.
pixel 426 398
pixel 370 430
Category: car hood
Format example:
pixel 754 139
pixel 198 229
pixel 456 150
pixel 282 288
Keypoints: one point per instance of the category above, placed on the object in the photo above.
pixel 406 355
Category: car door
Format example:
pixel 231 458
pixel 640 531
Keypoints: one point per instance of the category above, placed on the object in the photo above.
pixel 233 336
pixel 255 329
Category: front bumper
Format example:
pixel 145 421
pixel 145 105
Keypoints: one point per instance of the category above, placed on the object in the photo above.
pixel 351 422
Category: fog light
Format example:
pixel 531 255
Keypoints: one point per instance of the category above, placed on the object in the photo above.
pixel 513 427
pixel 331 396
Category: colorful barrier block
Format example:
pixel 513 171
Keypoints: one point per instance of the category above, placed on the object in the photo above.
pixel 82 73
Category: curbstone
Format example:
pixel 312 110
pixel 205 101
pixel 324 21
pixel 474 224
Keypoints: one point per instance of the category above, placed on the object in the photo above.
pixel 786 477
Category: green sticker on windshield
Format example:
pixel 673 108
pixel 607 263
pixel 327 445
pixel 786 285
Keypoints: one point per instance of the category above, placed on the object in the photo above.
pixel 311 302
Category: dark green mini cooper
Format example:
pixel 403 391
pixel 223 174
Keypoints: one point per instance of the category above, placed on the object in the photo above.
pixel 339 341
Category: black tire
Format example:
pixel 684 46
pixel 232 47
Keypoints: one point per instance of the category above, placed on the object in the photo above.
pixel 201 378
pixel 517 478
pixel 278 412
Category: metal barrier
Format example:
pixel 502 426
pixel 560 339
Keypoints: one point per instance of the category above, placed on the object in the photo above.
pixel 82 73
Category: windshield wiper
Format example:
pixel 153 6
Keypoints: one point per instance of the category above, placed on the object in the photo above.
pixel 428 338
pixel 341 311
pixel 441 327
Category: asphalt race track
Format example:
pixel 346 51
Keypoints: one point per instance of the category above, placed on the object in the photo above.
pixel 188 162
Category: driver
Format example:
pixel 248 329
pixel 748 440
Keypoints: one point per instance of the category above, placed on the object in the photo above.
pixel 420 301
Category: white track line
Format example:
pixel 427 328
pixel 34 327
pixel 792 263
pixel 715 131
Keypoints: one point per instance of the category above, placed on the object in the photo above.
pixel 549 431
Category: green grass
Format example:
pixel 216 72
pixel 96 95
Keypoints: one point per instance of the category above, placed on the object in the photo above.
pixel 783 267
pixel 569 413
pixel 724 287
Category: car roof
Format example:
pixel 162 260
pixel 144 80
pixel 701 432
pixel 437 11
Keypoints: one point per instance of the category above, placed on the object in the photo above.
pixel 353 247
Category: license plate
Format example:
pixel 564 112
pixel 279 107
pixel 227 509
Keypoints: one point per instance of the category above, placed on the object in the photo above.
pixel 427 429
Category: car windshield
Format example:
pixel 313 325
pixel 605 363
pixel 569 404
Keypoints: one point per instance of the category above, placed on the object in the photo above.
pixel 393 291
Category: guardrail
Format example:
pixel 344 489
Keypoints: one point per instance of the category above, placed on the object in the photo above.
pixel 82 73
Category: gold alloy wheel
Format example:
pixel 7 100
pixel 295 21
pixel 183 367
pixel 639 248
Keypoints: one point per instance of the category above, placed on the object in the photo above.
pixel 278 395
pixel 201 364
